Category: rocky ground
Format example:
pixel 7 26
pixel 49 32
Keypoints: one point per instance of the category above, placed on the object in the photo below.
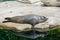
pixel 14 8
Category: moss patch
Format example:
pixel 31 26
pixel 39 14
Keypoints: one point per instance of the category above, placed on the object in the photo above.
pixel 52 35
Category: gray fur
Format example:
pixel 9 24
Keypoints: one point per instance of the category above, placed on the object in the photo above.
pixel 27 19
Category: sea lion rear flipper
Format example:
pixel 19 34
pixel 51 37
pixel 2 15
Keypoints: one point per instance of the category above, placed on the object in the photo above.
pixel 5 21
pixel 8 18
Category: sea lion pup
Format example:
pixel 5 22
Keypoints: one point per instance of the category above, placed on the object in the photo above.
pixel 27 19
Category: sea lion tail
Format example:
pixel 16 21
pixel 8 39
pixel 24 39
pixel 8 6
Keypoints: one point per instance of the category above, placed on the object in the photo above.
pixel 5 21
pixel 8 18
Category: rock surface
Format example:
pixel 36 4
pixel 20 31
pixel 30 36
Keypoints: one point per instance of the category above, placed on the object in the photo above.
pixel 13 8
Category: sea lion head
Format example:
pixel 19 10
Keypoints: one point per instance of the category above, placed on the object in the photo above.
pixel 43 19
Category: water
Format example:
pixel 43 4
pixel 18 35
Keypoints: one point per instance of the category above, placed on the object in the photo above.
pixel 30 34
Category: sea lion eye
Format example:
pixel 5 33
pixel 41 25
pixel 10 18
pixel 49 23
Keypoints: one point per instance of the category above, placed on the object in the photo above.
pixel 44 17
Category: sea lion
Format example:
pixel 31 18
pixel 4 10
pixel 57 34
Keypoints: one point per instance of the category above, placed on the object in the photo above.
pixel 27 19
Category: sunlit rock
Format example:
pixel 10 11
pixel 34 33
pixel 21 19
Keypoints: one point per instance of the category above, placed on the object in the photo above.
pixel 19 9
